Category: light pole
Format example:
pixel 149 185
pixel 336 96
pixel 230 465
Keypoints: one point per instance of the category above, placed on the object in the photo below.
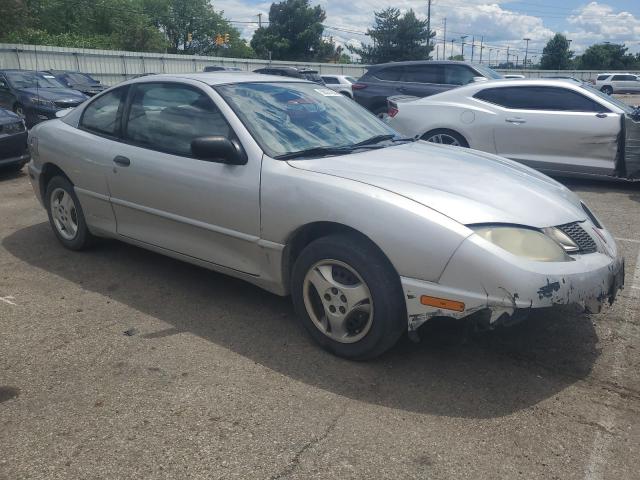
pixel 526 51
pixel 462 37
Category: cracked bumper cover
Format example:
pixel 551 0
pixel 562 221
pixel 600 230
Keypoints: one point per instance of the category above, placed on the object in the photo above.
pixel 485 277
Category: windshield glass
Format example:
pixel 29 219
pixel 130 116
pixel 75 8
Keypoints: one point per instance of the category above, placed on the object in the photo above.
pixel 32 80
pixel 80 78
pixel 292 117
pixel 487 72
pixel 609 98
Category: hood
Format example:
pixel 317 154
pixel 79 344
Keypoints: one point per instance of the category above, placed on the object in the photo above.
pixel 55 94
pixel 7 117
pixel 465 185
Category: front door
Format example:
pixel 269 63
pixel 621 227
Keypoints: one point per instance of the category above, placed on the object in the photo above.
pixel 165 197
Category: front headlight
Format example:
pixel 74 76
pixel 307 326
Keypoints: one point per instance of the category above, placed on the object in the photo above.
pixel 524 242
pixel 42 102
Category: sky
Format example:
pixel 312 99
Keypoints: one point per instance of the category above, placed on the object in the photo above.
pixel 499 24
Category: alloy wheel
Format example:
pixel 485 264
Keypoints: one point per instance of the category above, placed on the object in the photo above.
pixel 338 301
pixel 444 139
pixel 64 214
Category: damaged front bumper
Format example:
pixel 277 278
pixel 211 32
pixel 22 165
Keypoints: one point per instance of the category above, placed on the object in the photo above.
pixel 484 278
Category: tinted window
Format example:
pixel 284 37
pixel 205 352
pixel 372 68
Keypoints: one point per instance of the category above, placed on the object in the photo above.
pixel 390 74
pixel 458 75
pixel 624 78
pixel 168 117
pixel 103 114
pixel 330 80
pixel 539 98
pixel 602 77
pixel 424 74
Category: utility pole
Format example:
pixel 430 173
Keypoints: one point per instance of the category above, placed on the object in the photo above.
pixel 428 24
pixel 526 51
pixel 452 40
pixel 507 56
pixel 489 60
pixel 260 20
pixel 473 46
pixel 481 47
pixel 462 37
pixel 444 39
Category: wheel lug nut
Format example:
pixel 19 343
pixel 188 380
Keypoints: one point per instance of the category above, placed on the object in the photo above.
pixel 334 291
pixel 332 309
pixel 343 298
pixel 342 310
pixel 327 296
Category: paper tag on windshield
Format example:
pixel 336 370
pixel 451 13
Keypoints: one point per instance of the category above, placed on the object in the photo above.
pixel 48 76
pixel 327 93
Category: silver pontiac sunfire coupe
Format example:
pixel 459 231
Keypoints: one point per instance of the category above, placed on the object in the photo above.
pixel 296 188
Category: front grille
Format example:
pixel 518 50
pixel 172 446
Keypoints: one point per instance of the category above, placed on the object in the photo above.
pixel 580 236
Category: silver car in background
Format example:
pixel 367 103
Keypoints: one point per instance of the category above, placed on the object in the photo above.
pixel 297 189
pixel 340 83
pixel 560 127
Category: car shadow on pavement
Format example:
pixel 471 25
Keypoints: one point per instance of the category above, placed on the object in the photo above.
pixel 451 372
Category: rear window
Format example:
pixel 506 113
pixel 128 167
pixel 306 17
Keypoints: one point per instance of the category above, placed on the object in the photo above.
pixel 602 77
pixel 330 80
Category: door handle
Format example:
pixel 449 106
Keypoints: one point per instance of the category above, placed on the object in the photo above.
pixel 122 161
pixel 516 121
pixel 601 115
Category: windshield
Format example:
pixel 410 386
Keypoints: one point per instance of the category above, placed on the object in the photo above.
pixel 293 117
pixel 32 80
pixel 80 78
pixel 487 72
pixel 609 98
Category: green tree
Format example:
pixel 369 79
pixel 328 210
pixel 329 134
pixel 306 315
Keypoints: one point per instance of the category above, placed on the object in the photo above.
pixel 396 37
pixel 294 33
pixel 556 54
pixel 607 56
pixel 458 58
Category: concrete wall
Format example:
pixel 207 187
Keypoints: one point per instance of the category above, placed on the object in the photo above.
pixel 111 66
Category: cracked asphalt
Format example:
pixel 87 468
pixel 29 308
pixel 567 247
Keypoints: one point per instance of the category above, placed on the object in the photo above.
pixel 215 378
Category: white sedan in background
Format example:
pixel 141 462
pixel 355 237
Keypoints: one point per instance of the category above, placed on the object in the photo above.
pixel 557 126
pixel 340 84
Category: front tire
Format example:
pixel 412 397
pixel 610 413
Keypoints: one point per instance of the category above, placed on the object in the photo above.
pixel 607 89
pixel 348 296
pixel 65 214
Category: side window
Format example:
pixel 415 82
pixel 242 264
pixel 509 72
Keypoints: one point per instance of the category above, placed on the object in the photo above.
pixel 458 75
pixel 103 114
pixel 602 77
pixel 424 74
pixel 618 78
pixel 330 80
pixel 540 98
pixel 390 74
pixel 167 117
pixel 624 78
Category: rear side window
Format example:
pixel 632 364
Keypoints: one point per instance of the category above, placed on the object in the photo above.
pixel 602 77
pixel 458 75
pixel 424 74
pixel 167 117
pixel 624 78
pixel 330 80
pixel 540 98
pixel 103 114
pixel 389 74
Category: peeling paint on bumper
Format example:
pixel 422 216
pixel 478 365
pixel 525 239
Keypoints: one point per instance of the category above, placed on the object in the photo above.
pixel 487 278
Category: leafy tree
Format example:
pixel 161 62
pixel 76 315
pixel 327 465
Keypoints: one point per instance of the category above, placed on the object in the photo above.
pixel 556 54
pixel 458 57
pixel 607 56
pixel 396 37
pixel 294 33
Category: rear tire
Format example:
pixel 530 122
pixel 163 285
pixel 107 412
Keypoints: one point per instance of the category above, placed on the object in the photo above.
pixel 607 89
pixel 445 136
pixel 348 296
pixel 65 214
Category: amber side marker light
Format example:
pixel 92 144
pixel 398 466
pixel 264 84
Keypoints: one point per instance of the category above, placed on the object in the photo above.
pixel 442 303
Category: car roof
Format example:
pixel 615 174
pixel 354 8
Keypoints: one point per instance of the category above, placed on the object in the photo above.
pixel 220 78
pixel 416 62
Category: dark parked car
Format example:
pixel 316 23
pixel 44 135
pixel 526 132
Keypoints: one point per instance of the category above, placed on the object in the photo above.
pixel 35 96
pixel 304 73
pixel 221 68
pixel 83 82
pixel 13 141
pixel 418 78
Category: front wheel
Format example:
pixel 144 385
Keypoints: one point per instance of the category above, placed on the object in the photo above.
pixel 446 137
pixel 65 214
pixel 607 89
pixel 348 296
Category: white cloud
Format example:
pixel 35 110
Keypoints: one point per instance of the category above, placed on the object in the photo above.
pixel 596 22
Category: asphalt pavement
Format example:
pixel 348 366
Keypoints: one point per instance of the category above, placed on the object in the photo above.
pixel 119 363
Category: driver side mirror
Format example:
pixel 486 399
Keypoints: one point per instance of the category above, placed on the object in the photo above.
pixel 479 79
pixel 218 149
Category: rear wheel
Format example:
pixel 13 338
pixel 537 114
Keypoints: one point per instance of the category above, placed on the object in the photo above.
pixel 348 297
pixel 607 89
pixel 65 214
pixel 446 137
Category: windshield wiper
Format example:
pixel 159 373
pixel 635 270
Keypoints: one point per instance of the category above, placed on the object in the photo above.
pixel 381 138
pixel 315 152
